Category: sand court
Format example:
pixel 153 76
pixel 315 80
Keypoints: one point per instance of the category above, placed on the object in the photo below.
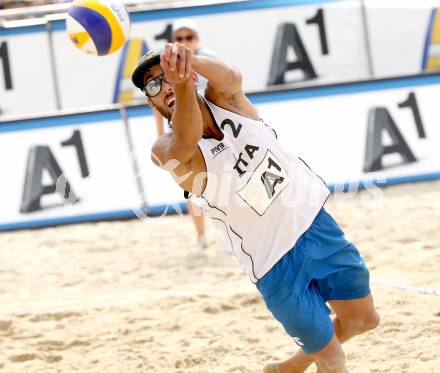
pixel 129 296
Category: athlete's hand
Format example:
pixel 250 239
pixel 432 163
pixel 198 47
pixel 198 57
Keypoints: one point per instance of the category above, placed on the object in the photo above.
pixel 176 61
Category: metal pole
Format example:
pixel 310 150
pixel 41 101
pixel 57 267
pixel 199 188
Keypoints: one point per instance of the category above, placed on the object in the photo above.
pixel 367 40
pixel 53 65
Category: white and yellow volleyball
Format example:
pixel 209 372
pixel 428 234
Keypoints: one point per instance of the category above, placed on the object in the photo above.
pixel 98 27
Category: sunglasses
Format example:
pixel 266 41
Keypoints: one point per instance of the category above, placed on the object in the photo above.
pixel 179 39
pixel 153 87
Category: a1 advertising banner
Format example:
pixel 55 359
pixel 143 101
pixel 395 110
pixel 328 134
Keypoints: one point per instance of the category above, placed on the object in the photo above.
pixel 383 132
pixel 404 36
pixel 302 42
pixel 66 169
pixel 93 166
pixel 26 80
pixel 272 42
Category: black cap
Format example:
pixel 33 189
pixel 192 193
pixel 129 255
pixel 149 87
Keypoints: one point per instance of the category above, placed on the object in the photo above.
pixel 151 58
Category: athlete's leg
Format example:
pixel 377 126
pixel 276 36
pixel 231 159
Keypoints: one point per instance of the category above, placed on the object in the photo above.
pixel 199 223
pixel 330 359
pixel 353 317
pixel 337 272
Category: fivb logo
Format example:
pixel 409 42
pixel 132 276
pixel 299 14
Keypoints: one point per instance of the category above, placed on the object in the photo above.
pixel 218 149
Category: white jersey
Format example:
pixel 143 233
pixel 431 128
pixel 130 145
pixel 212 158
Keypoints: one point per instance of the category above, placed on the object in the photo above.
pixel 260 199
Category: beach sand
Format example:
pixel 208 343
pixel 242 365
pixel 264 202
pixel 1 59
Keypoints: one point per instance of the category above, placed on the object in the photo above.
pixel 130 296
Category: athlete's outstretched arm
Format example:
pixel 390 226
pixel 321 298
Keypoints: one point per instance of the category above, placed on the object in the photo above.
pixel 221 77
pixel 224 85
pixel 181 144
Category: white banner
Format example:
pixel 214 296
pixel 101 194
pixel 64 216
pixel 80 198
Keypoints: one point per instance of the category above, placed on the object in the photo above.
pixel 61 169
pixel 404 36
pixel 26 80
pixel 346 138
pixel 79 167
pixel 246 36
pixel 273 42
pixel 263 39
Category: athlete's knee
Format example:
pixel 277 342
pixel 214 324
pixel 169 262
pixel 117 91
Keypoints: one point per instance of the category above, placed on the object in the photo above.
pixel 368 321
pixel 371 321
pixel 361 323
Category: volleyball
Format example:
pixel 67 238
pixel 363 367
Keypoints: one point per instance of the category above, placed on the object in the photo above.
pixel 98 27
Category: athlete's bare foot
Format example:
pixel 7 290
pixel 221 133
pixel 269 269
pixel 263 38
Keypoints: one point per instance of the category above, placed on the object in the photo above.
pixel 276 368
pixel 271 368
pixel 288 366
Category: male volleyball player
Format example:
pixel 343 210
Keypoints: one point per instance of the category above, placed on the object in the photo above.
pixel 267 205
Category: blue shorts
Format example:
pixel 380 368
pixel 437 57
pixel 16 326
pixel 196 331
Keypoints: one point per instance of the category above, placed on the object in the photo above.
pixel 322 266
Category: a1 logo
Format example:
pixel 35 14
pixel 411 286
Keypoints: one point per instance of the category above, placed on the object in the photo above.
pixel 41 159
pixel 380 122
pixel 288 36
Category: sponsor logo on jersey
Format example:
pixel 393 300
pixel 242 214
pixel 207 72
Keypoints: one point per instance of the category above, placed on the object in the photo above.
pixel 218 149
